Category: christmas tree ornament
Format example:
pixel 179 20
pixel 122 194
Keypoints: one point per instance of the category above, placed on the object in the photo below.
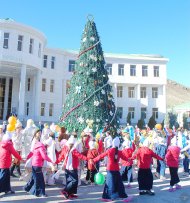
pixel 81 64
pixel 80 120
pixel 96 103
pixel 93 57
pixel 94 69
pixel 103 92
pixel 111 113
pixel 84 39
pixel 89 123
pixel 92 39
pixel 78 89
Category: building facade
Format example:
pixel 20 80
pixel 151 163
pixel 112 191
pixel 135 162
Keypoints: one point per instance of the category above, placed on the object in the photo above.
pixel 34 79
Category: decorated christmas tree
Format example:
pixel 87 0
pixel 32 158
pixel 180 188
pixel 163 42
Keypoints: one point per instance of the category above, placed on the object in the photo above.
pixel 89 102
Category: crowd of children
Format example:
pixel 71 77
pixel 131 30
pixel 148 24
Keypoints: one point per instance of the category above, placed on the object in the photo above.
pixel 42 149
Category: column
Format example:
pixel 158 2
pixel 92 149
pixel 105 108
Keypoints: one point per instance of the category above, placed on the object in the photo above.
pixel 6 98
pixel 115 94
pixel 64 89
pixel 164 110
pixel 21 104
pixel 36 94
pixel 164 97
pixel 149 102
pixel 138 104
pixel 138 91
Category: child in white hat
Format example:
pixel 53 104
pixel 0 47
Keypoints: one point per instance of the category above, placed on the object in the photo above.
pixel 17 143
pixel 71 162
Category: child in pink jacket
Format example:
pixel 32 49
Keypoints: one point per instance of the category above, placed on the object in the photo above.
pixel 36 185
pixel 6 152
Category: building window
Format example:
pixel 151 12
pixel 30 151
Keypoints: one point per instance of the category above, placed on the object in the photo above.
pixel 52 62
pixel 6 40
pixel 131 111
pixel 143 113
pixel 27 108
pixel 45 61
pixel 155 113
pixel 51 109
pixel 39 50
pixel 31 46
pixel 120 112
pixel 109 68
pixel 120 69
pixel 144 71
pixel 43 85
pixel 51 85
pixel 143 92
pixel 156 71
pixel 28 84
pixel 120 91
pixel 42 113
pixel 154 92
pixel 132 70
pixel 71 65
pixel 68 85
pixel 131 92
pixel 20 41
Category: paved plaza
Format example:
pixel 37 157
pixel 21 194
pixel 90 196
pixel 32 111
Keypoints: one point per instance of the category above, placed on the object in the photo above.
pixel 88 193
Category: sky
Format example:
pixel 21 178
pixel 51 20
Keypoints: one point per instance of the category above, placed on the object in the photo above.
pixel 125 26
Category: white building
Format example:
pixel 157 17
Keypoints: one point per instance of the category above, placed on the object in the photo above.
pixel 34 78
pixel 182 110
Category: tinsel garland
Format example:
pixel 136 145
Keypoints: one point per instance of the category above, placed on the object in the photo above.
pixel 88 49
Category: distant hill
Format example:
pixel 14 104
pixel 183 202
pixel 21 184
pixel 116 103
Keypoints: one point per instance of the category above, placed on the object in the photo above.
pixel 176 94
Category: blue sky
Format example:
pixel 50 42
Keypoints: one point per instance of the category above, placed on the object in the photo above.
pixel 125 26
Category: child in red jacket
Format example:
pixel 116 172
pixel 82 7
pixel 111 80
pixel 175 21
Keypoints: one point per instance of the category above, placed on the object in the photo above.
pixel 126 165
pixel 91 168
pixel 144 157
pixel 114 188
